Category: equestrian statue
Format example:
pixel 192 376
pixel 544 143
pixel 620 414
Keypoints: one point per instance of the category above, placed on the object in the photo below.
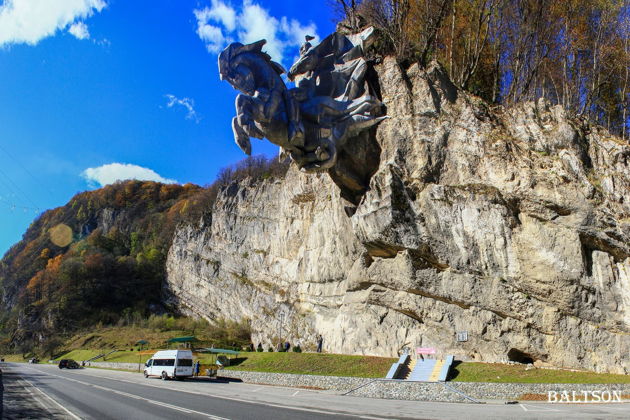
pixel 331 103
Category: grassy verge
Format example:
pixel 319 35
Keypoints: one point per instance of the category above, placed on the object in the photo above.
pixel 80 355
pixel 496 372
pixel 362 366
pixel 14 358
pixel 314 364
pixel 299 363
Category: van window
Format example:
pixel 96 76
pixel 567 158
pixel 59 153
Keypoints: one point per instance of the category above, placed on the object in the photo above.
pixel 184 362
pixel 149 362
pixel 164 362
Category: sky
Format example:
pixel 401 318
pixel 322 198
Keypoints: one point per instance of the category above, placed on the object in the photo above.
pixel 93 91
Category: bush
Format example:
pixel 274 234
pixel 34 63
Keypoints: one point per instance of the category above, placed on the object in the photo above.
pixel 254 167
pixel 270 349
pixel 297 349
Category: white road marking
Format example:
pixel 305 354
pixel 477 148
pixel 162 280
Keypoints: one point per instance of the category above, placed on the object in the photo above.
pixel 115 391
pixel 241 400
pixel 295 393
pixel 52 399
pixel 35 397
pixel 538 408
pixel 173 407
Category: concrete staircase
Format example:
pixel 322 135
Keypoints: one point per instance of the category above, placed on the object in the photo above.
pixel 431 370
pixel 102 355
pixel 410 369
pixel 422 371
pixel 399 367
pixel 428 370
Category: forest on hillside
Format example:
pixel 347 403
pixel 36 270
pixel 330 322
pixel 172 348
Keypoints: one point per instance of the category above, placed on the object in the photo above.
pixel 575 53
pixel 111 265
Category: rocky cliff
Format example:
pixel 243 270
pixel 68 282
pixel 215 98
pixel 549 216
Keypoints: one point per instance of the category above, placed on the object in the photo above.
pixel 510 224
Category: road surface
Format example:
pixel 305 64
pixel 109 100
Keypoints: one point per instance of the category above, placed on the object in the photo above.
pixel 44 391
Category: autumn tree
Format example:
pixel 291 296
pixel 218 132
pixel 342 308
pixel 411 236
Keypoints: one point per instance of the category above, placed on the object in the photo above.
pixel 571 52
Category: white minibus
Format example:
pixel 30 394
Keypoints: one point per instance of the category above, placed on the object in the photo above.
pixel 168 364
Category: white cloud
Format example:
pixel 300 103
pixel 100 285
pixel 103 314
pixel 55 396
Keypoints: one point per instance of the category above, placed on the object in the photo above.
pixel 221 23
pixel 79 30
pixel 255 23
pixel 212 36
pixel 295 32
pixel 30 21
pixel 187 103
pixel 220 12
pixel 112 172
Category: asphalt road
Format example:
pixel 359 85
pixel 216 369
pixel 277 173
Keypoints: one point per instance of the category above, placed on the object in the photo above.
pixel 44 391
pixel 56 393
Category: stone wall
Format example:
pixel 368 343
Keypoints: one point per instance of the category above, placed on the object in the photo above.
pixel 418 391
pixel 401 390
pixel 511 391
pixel 335 383
pixel 112 365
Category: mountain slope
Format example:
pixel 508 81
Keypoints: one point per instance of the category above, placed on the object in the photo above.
pixel 89 261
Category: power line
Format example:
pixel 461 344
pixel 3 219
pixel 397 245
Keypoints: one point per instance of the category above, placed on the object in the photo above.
pixel 17 188
pixel 14 159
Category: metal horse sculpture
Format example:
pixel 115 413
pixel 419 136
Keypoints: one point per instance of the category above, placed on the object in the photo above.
pixel 330 104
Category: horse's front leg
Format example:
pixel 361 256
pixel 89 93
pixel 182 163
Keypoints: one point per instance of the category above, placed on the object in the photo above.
pixel 248 112
pixel 241 137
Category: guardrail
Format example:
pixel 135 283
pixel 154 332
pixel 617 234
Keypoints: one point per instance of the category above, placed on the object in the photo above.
pixel 103 355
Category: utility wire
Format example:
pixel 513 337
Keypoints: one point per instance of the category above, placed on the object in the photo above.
pixel 14 159
pixel 18 189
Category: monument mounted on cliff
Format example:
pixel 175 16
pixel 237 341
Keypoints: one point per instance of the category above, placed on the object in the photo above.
pixel 314 122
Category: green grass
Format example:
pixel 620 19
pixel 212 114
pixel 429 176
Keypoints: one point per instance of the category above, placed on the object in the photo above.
pixel 123 356
pixel 496 372
pixel 314 364
pixel 117 357
pixel 80 355
pixel 14 358
pixel 122 338
pixel 360 366
pixel 300 363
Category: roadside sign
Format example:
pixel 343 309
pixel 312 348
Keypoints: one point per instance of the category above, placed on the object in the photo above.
pixel 462 336
pixel 425 350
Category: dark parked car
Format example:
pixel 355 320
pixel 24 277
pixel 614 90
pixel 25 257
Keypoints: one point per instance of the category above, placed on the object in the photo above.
pixel 68 364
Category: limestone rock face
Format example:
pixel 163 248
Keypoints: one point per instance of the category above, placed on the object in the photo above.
pixel 510 224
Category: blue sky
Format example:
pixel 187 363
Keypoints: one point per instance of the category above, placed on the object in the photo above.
pixel 96 90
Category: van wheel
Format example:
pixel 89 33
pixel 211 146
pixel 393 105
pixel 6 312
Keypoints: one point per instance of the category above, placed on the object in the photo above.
pixel 164 376
pixel 146 375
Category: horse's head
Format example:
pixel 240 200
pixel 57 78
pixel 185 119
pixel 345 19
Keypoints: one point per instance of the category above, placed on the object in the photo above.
pixel 235 70
pixel 238 64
